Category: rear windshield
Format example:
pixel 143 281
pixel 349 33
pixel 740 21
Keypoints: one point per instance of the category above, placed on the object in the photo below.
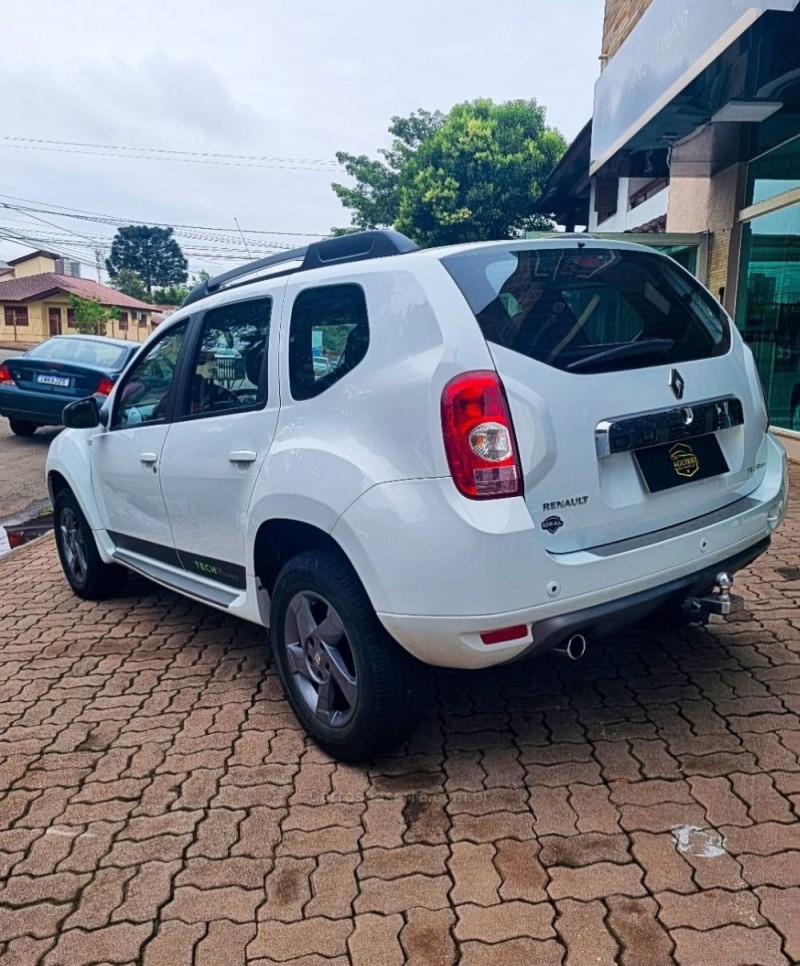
pixel 83 352
pixel 590 309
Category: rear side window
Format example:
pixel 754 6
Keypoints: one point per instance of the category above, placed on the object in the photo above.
pixel 590 309
pixel 328 337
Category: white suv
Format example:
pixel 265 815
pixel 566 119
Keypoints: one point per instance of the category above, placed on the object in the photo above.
pixel 458 457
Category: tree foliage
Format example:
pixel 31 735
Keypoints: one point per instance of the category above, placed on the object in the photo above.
pixel 129 282
pixel 473 174
pixel 152 253
pixel 175 294
pixel 91 318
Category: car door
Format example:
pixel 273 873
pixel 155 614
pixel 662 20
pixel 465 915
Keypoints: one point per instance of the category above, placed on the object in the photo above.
pixel 125 456
pixel 224 424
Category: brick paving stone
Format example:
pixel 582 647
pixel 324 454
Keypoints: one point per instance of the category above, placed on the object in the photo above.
pixel 665 869
pixel 474 874
pixel 513 952
pixel 774 870
pixel 395 895
pixel 203 905
pixel 225 942
pixel 281 942
pixel 397 862
pixel 25 950
pixel 781 908
pixel 709 909
pixel 426 937
pixel 552 811
pixel 333 886
pixel 729 946
pixel 721 804
pixel 375 939
pixel 521 871
pixel 119 943
pixel 595 881
pixel 643 940
pixel 768 838
pixel 288 888
pixel 173 944
pixel 584 933
pixel 764 802
pixel 585 849
pixel 514 919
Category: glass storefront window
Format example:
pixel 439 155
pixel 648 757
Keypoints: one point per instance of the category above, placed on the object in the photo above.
pixel 775 172
pixel 768 308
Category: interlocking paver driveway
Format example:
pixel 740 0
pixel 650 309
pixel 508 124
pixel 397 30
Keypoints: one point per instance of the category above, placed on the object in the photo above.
pixel 159 805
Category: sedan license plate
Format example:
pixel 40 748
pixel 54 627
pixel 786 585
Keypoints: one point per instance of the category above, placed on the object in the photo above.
pixel 48 380
pixel 674 464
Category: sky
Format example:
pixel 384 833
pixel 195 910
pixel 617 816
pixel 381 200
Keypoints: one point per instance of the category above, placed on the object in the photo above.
pixel 298 81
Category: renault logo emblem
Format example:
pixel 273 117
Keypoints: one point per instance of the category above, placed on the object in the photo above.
pixel 676 383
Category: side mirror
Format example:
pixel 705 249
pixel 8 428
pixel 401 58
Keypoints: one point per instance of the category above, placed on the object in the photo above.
pixel 81 414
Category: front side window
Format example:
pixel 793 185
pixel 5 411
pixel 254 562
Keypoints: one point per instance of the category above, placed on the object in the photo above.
pixel 590 309
pixel 229 373
pixel 145 392
pixel 328 337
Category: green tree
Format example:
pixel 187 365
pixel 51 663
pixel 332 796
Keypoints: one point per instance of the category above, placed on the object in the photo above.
pixel 152 253
pixel 91 318
pixel 129 282
pixel 175 294
pixel 473 174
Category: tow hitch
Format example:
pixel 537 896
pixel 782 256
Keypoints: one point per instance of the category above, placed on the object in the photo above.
pixel 720 601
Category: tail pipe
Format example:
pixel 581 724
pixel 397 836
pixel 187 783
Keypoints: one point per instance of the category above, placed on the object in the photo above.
pixel 573 648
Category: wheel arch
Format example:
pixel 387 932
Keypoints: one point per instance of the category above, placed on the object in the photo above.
pixel 280 539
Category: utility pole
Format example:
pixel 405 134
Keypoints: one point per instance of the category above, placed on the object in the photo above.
pixel 98 260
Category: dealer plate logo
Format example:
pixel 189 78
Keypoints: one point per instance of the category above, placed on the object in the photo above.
pixel 551 524
pixel 684 460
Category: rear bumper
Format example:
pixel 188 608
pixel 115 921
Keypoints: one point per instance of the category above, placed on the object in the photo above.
pixel 458 572
pixel 46 410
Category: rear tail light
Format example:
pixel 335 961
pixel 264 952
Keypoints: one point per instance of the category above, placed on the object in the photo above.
pixel 479 437
pixel 105 386
pixel 5 374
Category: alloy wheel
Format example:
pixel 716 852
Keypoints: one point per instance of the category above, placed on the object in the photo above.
pixel 73 545
pixel 321 659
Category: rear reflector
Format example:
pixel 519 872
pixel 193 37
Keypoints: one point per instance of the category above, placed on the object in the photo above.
pixel 505 634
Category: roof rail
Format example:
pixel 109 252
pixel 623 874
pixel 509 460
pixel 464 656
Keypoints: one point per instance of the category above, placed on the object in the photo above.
pixel 355 247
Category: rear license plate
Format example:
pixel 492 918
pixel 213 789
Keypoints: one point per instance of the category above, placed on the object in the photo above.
pixel 676 463
pixel 48 380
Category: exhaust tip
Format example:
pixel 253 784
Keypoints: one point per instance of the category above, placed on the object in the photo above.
pixel 574 648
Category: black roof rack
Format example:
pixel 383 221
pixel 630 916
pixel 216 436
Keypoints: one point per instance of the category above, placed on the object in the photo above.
pixel 355 247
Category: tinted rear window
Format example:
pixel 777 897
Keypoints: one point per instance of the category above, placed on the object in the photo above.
pixel 591 309
pixel 83 352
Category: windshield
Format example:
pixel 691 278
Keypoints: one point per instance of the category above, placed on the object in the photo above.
pixel 588 310
pixel 83 352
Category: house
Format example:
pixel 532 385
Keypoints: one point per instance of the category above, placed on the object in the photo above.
pixel 35 301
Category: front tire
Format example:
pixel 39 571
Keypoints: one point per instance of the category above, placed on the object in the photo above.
pixel 352 687
pixel 21 427
pixel 83 567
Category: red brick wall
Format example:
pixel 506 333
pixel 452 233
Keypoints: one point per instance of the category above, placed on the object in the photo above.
pixel 620 18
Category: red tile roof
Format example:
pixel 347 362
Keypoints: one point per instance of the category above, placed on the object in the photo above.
pixel 35 287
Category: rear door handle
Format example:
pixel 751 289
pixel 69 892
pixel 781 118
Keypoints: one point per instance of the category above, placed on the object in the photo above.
pixel 148 457
pixel 242 456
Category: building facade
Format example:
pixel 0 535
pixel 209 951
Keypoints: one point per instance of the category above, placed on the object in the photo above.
pixel 695 142
pixel 35 302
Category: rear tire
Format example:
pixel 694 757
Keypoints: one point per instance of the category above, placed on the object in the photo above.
pixel 83 567
pixel 352 687
pixel 21 427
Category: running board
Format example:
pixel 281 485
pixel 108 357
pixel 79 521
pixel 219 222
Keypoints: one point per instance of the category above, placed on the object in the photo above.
pixel 183 582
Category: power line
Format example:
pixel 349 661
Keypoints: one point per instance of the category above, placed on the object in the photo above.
pixel 181 160
pixel 81 214
pixel 172 151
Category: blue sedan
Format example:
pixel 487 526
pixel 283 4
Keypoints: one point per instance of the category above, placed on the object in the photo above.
pixel 37 385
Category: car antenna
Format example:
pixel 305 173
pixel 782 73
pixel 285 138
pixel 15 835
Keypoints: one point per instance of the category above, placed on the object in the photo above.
pixel 244 240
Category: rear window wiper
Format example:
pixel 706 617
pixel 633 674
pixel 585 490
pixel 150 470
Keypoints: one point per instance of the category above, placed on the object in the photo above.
pixel 656 346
